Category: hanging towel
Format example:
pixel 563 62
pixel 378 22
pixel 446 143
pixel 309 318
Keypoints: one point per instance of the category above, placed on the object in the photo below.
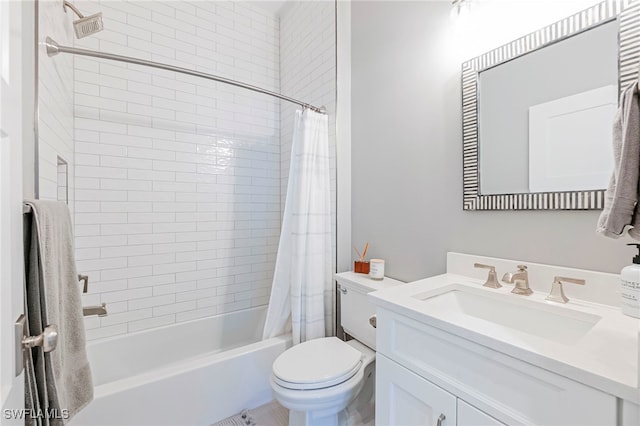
pixel 621 197
pixel 62 377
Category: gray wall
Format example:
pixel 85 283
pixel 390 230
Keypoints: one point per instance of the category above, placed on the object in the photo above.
pixel 407 158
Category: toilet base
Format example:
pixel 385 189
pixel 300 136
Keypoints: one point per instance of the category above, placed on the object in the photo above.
pixel 305 418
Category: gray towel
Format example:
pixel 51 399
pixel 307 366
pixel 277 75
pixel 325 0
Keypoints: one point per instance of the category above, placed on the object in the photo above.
pixel 621 197
pixel 63 383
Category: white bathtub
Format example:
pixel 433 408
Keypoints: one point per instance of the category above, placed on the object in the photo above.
pixel 192 373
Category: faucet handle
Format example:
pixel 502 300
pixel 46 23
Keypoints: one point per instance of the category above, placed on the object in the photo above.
pixel 522 268
pixel 492 278
pixel 483 266
pixel 557 293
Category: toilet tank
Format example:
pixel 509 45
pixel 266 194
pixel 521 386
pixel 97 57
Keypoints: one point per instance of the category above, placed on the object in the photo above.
pixel 355 308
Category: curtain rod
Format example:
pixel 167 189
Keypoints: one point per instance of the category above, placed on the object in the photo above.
pixel 54 48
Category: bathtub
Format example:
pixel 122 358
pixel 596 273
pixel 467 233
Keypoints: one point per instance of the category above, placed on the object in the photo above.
pixel 191 373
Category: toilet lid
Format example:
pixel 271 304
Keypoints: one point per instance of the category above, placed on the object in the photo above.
pixel 316 364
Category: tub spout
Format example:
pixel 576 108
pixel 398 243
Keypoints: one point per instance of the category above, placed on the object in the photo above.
pixel 99 310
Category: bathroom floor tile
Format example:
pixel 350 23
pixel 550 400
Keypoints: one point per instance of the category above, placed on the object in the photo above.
pixel 271 414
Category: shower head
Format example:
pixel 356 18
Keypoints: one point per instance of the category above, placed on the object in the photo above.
pixel 86 25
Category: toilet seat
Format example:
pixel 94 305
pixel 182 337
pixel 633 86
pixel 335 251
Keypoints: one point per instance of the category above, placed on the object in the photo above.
pixel 316 364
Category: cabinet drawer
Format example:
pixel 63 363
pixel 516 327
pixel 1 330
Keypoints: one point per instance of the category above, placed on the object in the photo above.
pixel 404 398
pixel 512 391
pixel 471 416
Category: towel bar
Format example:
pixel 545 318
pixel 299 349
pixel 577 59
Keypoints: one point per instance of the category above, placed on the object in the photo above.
pixel 48 339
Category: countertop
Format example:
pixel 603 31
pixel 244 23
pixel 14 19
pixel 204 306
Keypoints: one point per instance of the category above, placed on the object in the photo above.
pixel 606 357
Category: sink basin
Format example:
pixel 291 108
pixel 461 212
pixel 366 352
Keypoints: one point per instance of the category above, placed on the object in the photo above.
pixel 479 309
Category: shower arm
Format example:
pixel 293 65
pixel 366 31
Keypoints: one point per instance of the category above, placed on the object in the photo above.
pixel 54 48
pixel 72 7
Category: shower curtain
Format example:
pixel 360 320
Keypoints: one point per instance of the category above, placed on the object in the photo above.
pixel 302 291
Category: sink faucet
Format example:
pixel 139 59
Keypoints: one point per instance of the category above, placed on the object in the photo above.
pixel 492 278
pixel 520 279
pixel 557 294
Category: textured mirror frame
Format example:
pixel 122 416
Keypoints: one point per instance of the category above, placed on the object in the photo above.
pixel 628 14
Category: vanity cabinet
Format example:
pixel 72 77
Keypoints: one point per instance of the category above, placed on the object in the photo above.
pixel 404 398
pixel 423 371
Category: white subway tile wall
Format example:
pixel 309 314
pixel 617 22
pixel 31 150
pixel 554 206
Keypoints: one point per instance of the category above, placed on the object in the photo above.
pixel 178 178
pixel 55 103
pixel 308 71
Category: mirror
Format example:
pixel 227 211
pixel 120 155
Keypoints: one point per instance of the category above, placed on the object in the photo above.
pixel 538 113
pixel 555 133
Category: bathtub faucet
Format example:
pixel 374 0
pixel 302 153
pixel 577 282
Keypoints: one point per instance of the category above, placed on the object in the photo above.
pixel 99 310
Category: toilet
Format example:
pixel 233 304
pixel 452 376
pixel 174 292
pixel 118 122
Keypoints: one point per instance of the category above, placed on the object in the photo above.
pixel 328 381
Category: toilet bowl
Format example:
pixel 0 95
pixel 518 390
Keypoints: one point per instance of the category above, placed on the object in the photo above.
pixel 328 381
pixel 318 395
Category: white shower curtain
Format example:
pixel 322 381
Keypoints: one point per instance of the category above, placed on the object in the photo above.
pixel 302 290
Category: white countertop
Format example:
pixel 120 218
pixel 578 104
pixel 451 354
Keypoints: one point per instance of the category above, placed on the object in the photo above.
pixel 606 357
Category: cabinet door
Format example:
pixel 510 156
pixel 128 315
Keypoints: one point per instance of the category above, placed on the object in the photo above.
pixel 405 399
pixel 469 415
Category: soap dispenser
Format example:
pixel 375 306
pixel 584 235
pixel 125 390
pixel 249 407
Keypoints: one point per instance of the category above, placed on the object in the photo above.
pixel 630 286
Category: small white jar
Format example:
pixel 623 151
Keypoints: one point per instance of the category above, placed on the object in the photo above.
pixel 376 269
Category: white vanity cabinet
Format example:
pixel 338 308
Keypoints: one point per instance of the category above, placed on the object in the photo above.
pixel 423 372
pixel 404 398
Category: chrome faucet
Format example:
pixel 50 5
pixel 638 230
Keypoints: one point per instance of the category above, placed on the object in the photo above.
pixel 520 279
